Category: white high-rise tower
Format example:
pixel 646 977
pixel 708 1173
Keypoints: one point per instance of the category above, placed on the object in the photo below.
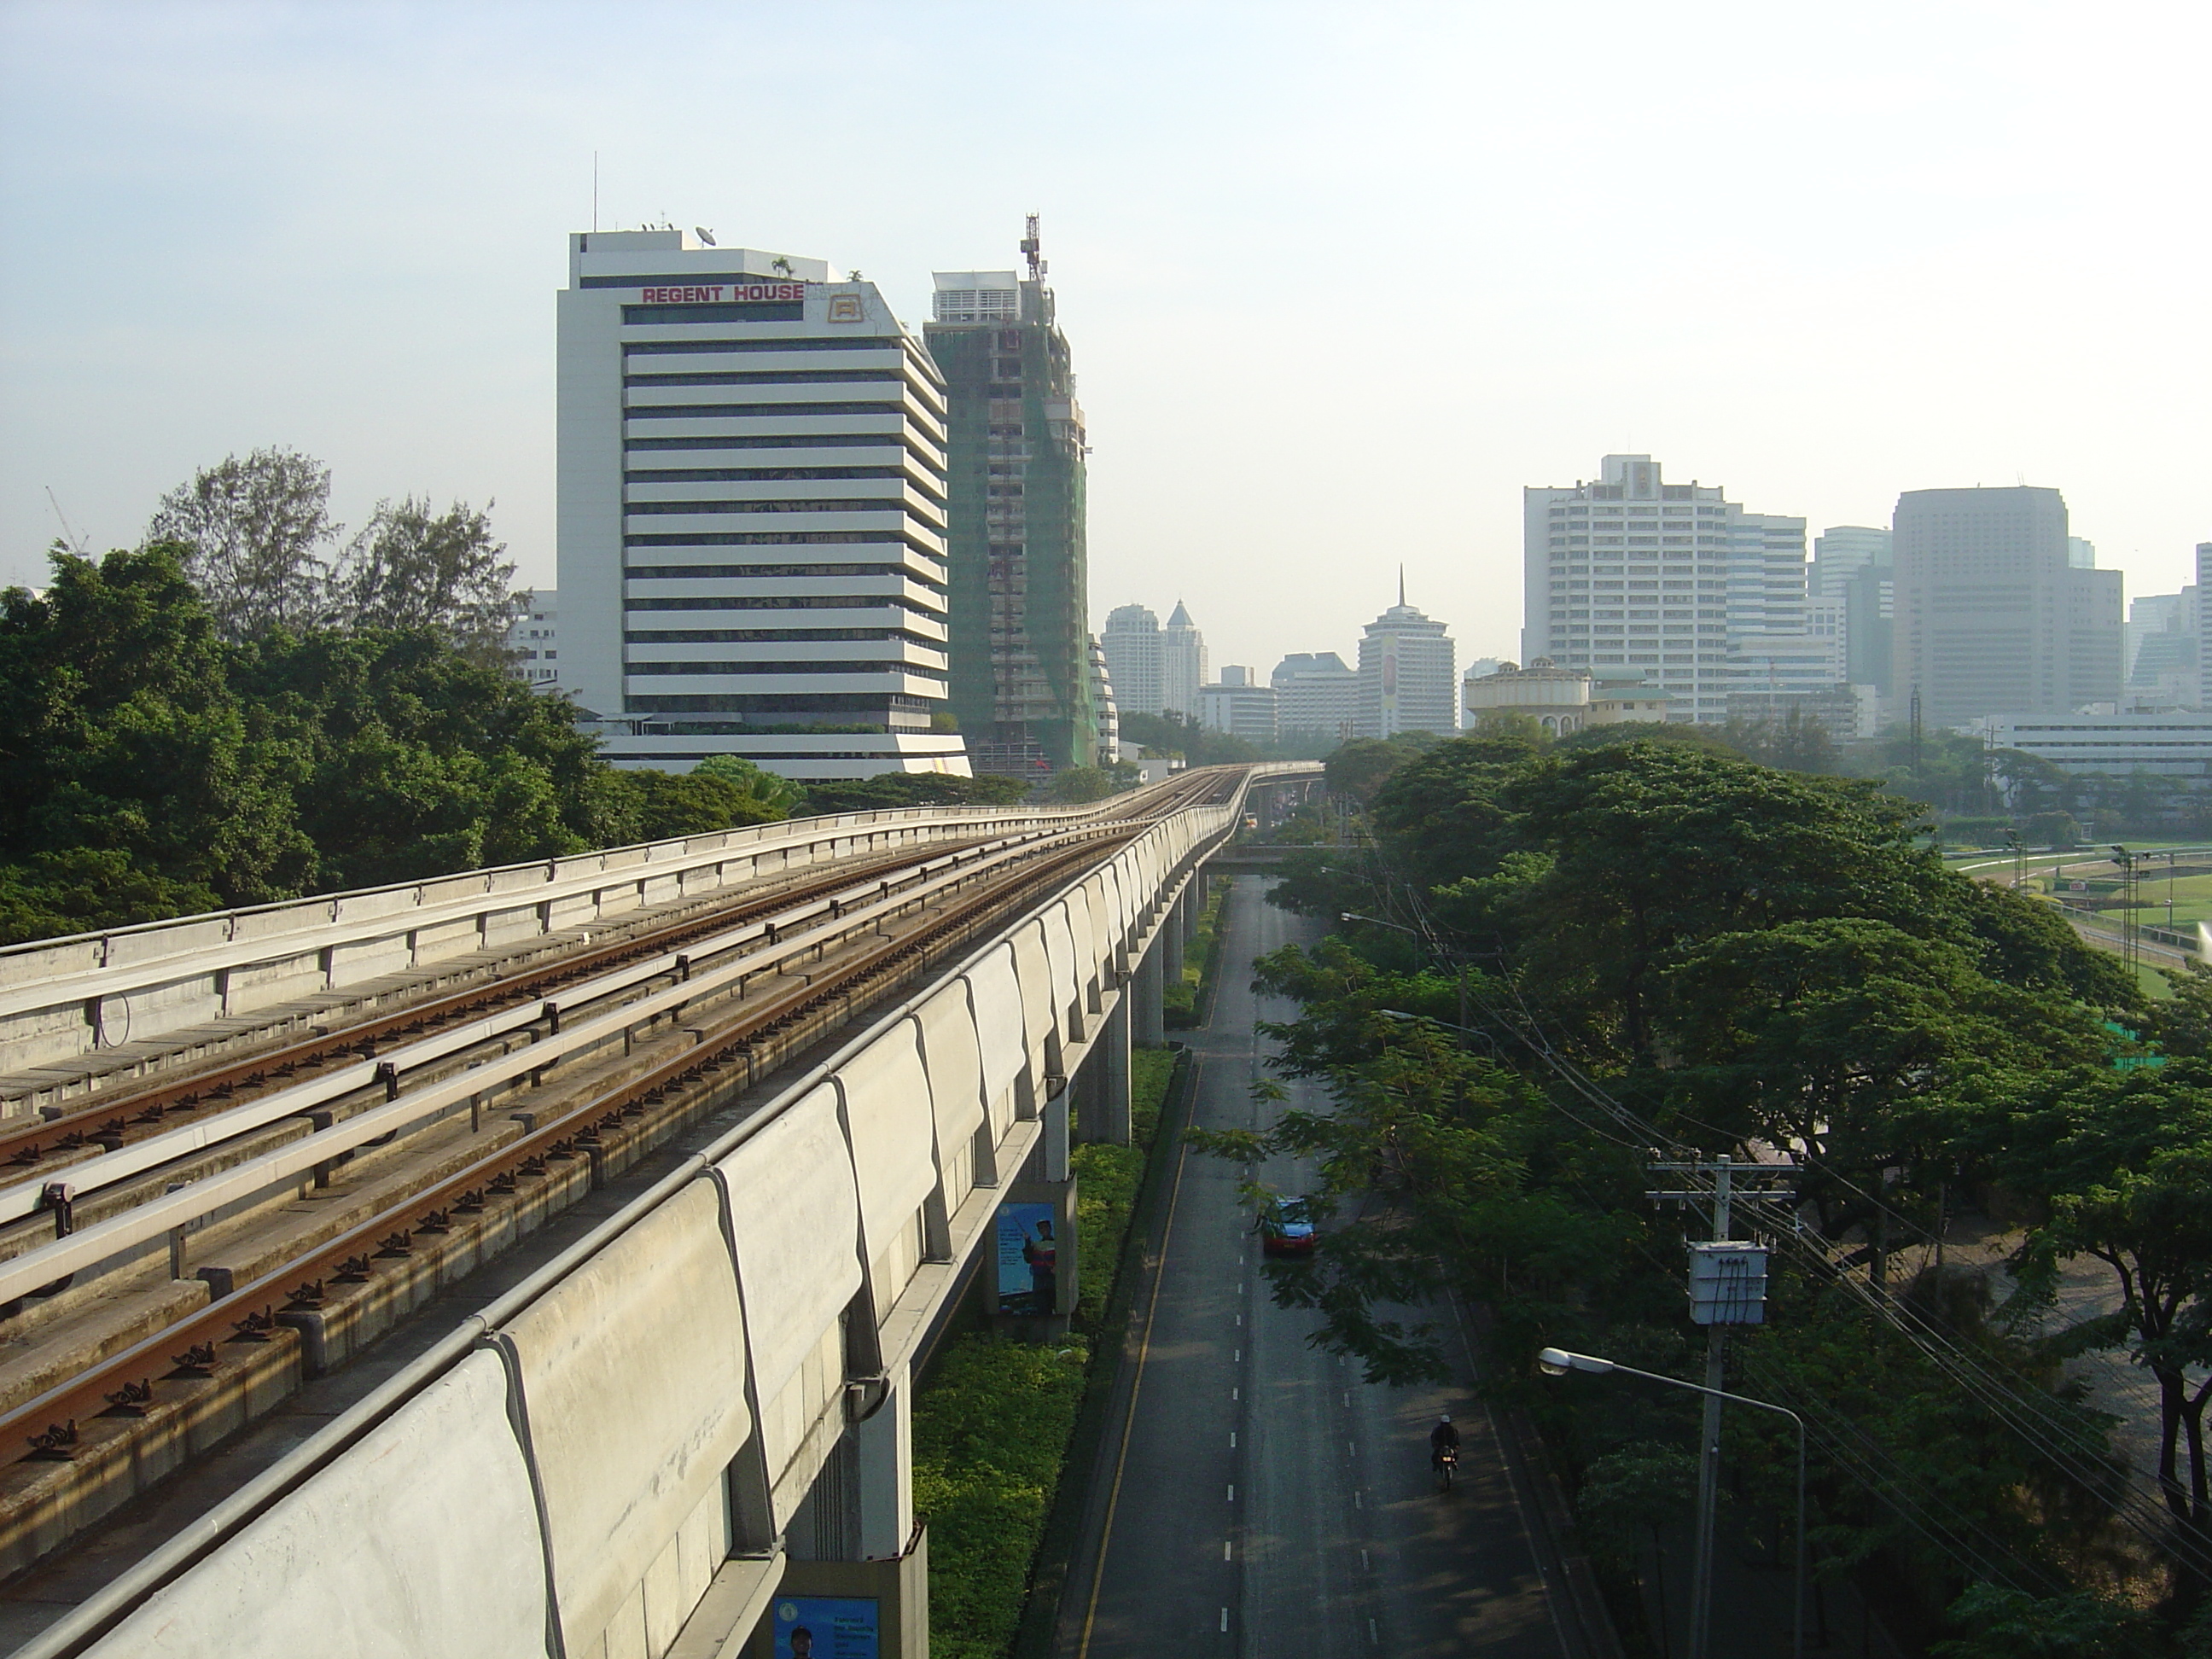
pixel 753 511
pixel 1626 571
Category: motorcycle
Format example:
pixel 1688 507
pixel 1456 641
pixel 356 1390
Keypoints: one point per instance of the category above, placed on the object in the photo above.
pixel 1445 1461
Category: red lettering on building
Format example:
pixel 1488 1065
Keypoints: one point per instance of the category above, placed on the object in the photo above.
pixel 742 293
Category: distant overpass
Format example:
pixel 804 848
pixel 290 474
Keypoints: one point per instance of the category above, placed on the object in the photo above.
pixel 805 1063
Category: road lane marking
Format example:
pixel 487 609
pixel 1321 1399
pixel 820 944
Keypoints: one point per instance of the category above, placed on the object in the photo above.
pixel 1363 1561
pixel 1224 1549
pixel 1144 1351
pixel 1232 1492
pixel 1232 1439
pixel 1224 1619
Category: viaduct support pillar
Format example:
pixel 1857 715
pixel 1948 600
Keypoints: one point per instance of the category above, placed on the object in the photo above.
pixel 1147 1031
pixel 1105 1103
pixel 857 1564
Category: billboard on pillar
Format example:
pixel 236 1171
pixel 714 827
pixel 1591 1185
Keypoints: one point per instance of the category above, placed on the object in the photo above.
pixel 1029 1259
pixel 826 1627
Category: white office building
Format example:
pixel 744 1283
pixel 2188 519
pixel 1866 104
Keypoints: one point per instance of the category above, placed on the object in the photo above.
pixel 533 639
pixel 1238 705
pixel 1317 695
pixel 1105 711
pixel 1183 663
pixel 1131 646
pixel 753 511
pixel 2173 743
pixel 1628 571
pixel 1407 680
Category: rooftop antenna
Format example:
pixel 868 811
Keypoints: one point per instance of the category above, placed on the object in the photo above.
pixel 703 234
pixel 1032 248
pixel 75 542
pixel 1401 588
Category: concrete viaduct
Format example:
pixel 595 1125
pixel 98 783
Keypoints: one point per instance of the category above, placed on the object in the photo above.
pixel 700 1410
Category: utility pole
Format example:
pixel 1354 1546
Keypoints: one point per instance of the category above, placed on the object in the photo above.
pixel 1728 1286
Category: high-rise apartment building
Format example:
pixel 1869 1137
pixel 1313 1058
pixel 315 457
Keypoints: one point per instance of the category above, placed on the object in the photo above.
pixel 1183 663
pixel 752 498
pixel 1131 646
pixel 1020 599
pixel 1626 570
pixel 1407 679
pixel 1993 618
pixel 1316 696
pixel 1854 567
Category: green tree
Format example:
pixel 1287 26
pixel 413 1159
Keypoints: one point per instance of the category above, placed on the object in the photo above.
pixel 770 795
pixel 1078 784
pixel 121 734
pixel 252 531
pixel 892 791
pixel 409 567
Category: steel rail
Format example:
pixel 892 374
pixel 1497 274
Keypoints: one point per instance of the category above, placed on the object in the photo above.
pixel 27 1198
pixel 114 1113
pixel 248 1313
pixel 161 1214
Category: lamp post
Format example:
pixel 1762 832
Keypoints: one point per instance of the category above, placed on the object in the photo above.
pixel 2130 952
pixel 1558 1362
pixel 2019 860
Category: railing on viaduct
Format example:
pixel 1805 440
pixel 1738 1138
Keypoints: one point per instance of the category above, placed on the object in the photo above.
pixel 702 1405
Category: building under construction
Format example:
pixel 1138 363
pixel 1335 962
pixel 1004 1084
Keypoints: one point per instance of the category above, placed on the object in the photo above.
pixel 1020 597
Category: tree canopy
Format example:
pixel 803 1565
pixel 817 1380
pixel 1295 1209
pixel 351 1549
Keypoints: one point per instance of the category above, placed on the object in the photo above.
pixel 158 767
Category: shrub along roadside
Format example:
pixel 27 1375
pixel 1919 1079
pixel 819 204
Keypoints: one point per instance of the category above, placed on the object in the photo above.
pixel 993 1418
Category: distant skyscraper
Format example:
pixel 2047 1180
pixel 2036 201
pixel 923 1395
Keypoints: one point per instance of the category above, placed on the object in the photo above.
pixel 1407 679
pixel 1316 696
pixel 1853 566
pixel 1131 645
pixel 2161 650
pixel 751 490
pixel 1019 601
pixel 1840 552
pixel 1627 570
pixel 1239 705
pixel 1993 617
pixel 1183 663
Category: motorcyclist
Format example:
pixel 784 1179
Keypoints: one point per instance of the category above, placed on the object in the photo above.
pixel 1441 1438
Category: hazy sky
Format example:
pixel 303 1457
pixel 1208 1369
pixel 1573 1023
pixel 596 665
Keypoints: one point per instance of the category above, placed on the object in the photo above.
pixel 1340 279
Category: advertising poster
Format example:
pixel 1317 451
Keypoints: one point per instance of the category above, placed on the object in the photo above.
pixel 825 1627
pixel 1029 1259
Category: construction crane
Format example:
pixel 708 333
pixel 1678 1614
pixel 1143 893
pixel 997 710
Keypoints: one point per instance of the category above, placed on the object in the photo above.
pixel 1032 248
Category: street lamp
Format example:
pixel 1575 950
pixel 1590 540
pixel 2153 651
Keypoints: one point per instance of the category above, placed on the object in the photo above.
pixel 1377 921
pixel 2130 952
pixel 1442 1024
pixel 1558 1362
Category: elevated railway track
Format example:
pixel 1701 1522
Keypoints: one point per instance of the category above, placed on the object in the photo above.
pixel 187 1239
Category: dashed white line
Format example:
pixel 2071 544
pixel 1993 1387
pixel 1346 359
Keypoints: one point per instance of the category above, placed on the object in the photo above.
pixel 1232 1492
pixel 1371 1636
pixel 1225 1619
pixel 1356 1503
pixel 1224 1549
pixel 1232 1439
pixel 1363 1561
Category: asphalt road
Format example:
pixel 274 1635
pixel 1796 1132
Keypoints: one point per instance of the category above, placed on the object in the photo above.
pixel 1266 1503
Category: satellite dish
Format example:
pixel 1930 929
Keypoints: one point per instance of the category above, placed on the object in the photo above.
pixel 703 234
